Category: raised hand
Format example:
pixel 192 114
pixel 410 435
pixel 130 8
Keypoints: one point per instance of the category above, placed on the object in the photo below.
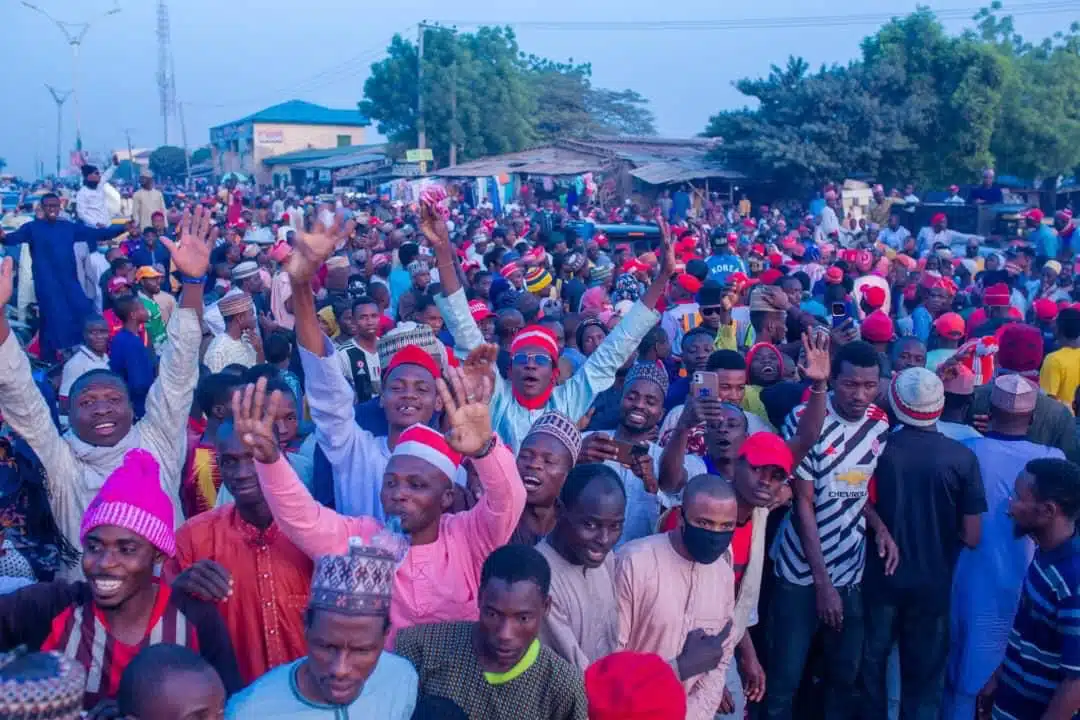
pixel 479 367
pixel 313 248
pixel 817 363
pixel 667 247
pixel 7 280
pixel 253 417
pixel 433 225
pixel 197 233
pixel 467 413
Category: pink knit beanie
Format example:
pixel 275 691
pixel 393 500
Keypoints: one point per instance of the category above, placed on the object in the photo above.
pixel 132 498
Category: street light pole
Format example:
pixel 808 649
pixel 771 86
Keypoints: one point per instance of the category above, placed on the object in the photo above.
pixel 74 33
pixel 59 98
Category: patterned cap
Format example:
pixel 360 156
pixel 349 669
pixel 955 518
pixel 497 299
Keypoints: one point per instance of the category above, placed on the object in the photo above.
pixel 574 262
pixel 417 267
pixel 560 427
pixel 244 270
pixel 647 371
pixel 410 333
pixel 769 299
pixel 357 583
pixel 599 273
pixel 537 280
pixel 41 686
pixel 236 304
pixel 1013 394
pixel 917 396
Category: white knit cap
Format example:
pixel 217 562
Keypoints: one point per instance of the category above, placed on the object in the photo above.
pixel 917 396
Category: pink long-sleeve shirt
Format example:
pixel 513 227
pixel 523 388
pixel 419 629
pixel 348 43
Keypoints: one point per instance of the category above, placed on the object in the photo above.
pixel 436 582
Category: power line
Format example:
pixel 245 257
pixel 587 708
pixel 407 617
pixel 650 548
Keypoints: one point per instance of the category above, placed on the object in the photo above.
pixel 778 22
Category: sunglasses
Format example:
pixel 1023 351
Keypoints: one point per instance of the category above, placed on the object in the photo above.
pixel 709 311
pixel 540 360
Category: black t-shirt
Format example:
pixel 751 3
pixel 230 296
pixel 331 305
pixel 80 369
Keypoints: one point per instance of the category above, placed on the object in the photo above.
pixel 572 290
pixel 925 484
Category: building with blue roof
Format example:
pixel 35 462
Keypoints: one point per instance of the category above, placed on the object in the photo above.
pixel 244 145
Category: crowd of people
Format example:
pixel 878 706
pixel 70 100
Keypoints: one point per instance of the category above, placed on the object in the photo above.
pixel 270 456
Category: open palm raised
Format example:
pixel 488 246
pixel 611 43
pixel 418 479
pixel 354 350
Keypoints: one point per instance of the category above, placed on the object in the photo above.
pixel 467 411
pixel 191 253
pixel 312 249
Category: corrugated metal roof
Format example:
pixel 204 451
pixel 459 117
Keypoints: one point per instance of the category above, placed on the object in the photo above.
pixel 666 172
pixel 543 160
pixel 300 112
pixel 335 163
pixel 312 154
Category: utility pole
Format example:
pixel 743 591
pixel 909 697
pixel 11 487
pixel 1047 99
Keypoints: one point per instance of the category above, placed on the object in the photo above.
pixel 453 112
pixel 421 136
pixel 131 157
pixel 74 39
pixel 59 98
pixel 183 141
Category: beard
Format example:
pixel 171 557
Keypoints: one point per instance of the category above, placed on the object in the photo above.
pixel 92 184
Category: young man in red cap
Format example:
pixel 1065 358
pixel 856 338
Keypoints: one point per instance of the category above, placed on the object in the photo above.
pixel 938 232
pixel 407 393
pixel 996 312
pixel 122 607
pixel 532 387
pixel 682 314
pixel 948 333
pixel 440 575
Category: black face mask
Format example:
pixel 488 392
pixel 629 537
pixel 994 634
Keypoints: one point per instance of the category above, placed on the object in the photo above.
pixel 705 546
pixel 92 184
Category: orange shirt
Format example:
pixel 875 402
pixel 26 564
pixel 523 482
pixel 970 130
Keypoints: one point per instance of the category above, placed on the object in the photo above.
pixel 271 585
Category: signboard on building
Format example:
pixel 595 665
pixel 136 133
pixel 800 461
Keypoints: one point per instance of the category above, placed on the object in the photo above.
pixel 418 156
pixel 226 133
pixel 270 137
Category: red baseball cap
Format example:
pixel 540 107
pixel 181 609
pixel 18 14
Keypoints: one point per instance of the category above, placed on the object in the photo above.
pixel 1045 309
pixel 834 276
pixel 765 448
pixel 479 310
pixel 950 325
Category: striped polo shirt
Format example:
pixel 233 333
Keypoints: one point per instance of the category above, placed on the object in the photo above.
pixel 1044 645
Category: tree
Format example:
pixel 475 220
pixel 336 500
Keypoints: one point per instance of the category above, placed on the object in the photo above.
pixel 168 163
pixel 483 95
pixel 3 164
pixel 952 104
pixel 621 112
pixel 200 155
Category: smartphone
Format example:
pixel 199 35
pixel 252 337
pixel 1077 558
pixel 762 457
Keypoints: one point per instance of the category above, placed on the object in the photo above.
pixel 839 314
pixel 626 453
pixel 705 384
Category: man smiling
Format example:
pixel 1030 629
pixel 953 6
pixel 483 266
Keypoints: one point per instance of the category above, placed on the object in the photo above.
pixel 101 415
pixel 496 668
pixel 122 607
pixel 580 624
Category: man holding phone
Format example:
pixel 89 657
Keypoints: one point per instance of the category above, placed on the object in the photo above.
pixel 631 451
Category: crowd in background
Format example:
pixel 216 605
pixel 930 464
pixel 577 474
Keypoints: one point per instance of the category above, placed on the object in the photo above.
pixel 268 455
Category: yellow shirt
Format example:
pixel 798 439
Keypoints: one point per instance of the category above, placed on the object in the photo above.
pixel 1060 375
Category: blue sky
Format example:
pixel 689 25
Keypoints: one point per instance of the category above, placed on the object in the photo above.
pixel 234 58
